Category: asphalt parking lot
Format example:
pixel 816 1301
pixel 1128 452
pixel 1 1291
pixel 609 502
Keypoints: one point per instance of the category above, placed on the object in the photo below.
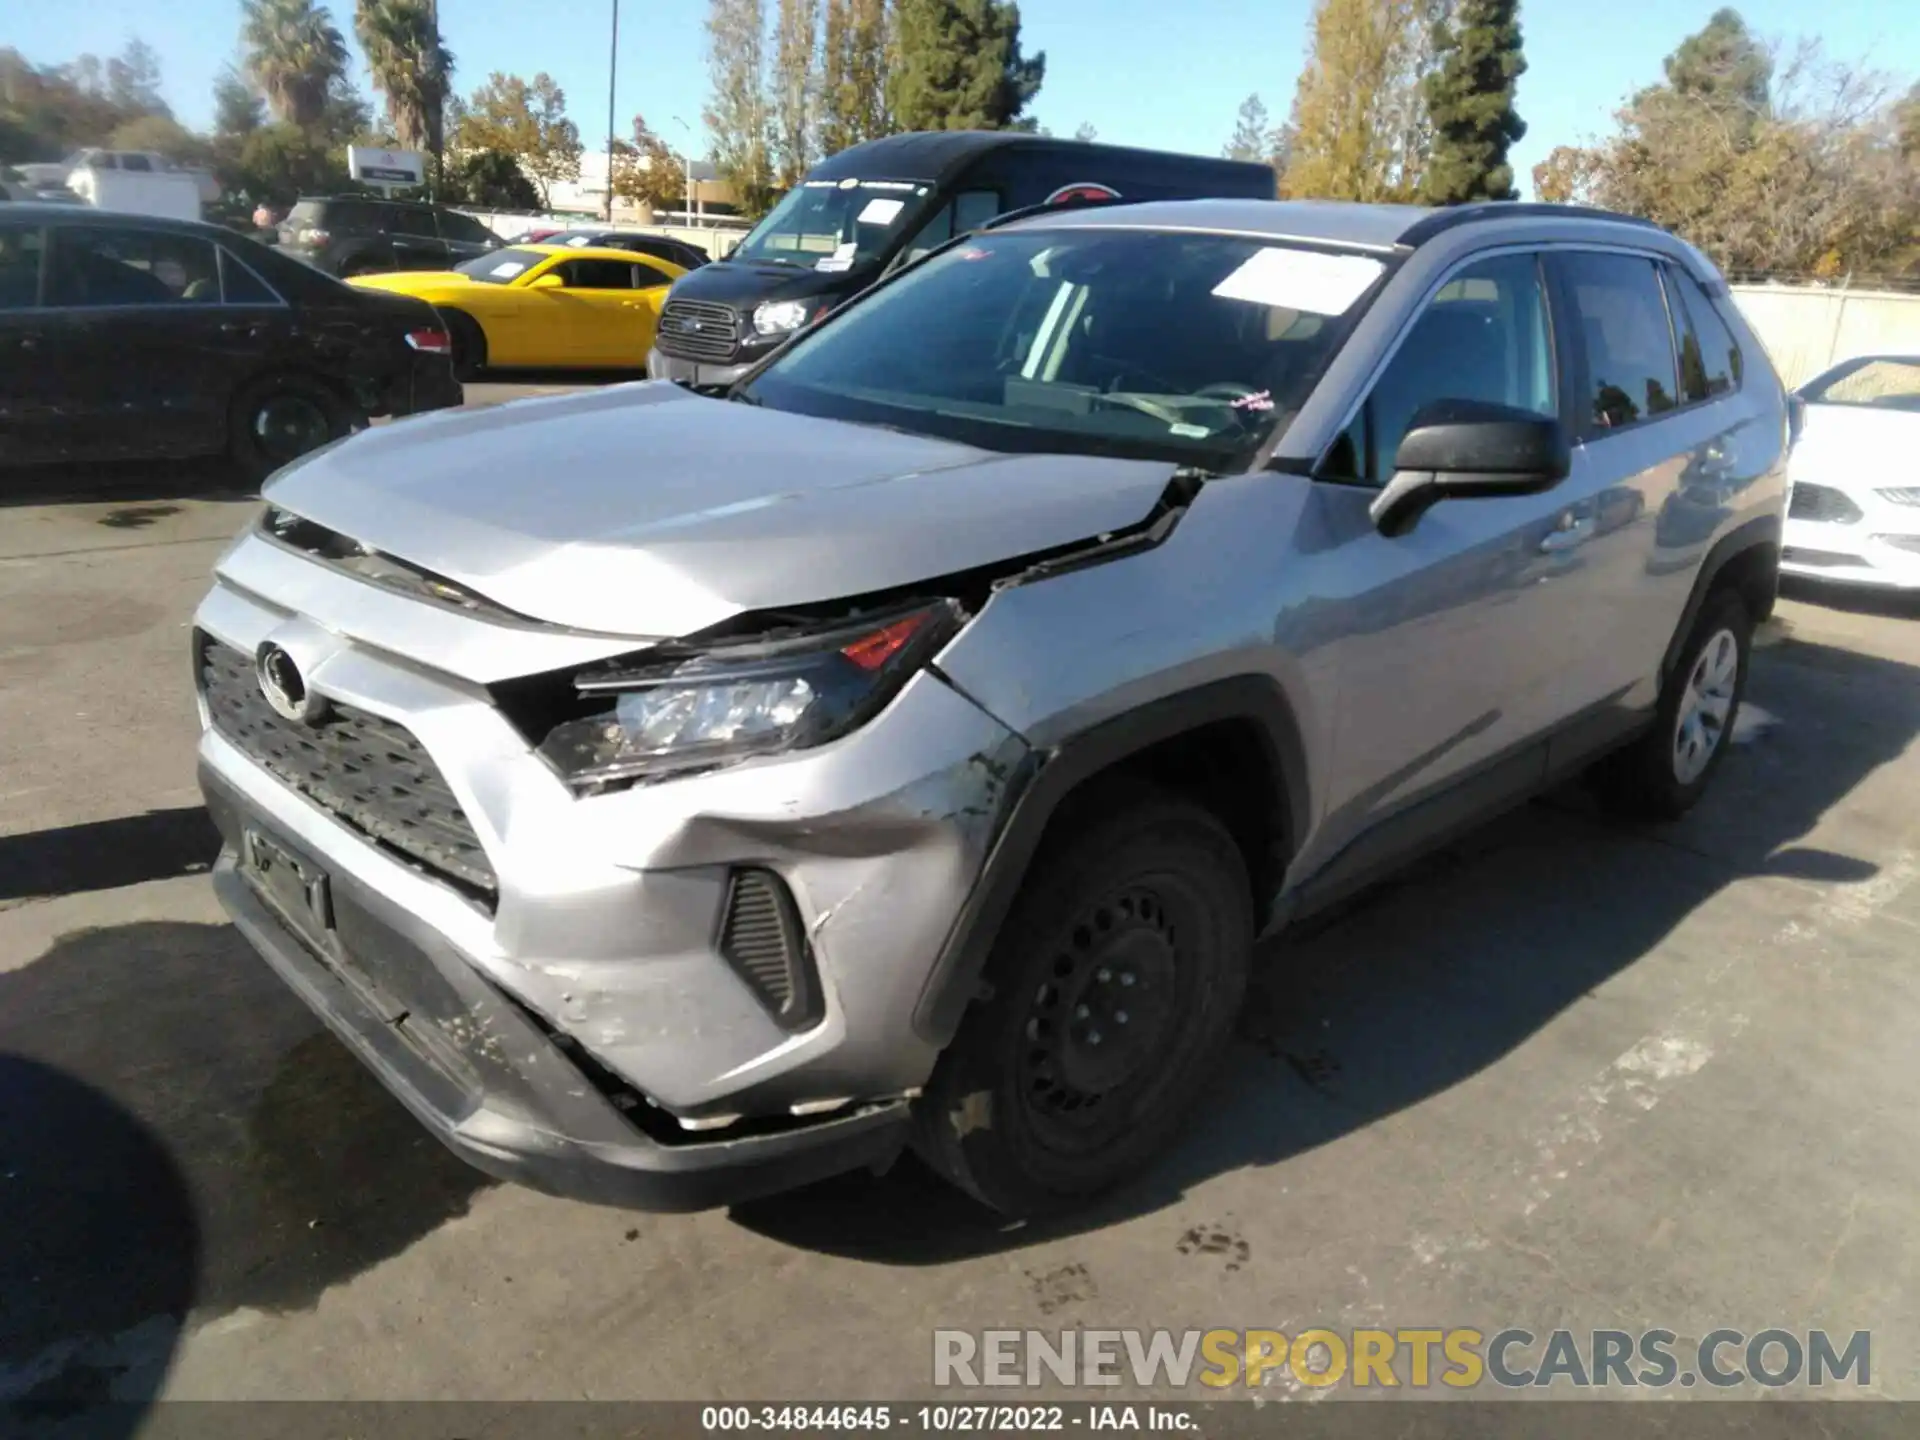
pixel 1568 1074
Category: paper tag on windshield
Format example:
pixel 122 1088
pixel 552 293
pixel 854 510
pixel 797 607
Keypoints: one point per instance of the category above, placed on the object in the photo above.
pixel 881 212
pixel 1301 280
pixel 507 269
pixel 840 259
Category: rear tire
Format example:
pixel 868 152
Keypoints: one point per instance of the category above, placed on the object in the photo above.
pixel 1666 771
pixel 1117 981
pixel 469 344
pixel 277 419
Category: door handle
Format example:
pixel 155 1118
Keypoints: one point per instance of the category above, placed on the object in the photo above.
pixel 240 327
pixel 1567 533
pixel 29 342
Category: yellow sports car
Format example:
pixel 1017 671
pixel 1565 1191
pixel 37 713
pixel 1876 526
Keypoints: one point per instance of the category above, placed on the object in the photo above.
pixel 543 306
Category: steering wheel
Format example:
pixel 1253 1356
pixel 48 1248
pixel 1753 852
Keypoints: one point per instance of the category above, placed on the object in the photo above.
pixel 1164 413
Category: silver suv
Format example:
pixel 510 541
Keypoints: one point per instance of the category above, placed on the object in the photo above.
pixel 908 744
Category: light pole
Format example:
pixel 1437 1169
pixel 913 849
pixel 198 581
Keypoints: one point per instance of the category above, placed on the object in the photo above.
pixel 692 201
pixel 613 71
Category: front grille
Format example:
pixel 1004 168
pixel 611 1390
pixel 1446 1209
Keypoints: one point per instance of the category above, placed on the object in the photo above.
pixel 760 937
pixel 369 773
pixel 1822 503
pixel 697 330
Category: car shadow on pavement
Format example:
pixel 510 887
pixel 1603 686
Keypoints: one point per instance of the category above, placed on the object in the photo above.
pixel 141 486
pixel 106 854
pixel 178 1135
pixel 1425 982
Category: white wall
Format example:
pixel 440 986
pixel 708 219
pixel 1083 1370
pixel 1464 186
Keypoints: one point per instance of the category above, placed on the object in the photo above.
pixel 1806 328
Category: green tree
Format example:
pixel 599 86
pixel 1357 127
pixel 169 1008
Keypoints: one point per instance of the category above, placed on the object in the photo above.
pixel 646 170
pixel 49 111
pixel 133 80
pixel 411 68
pixel 737 112
pixel 280 162
pixel 1359 128
pixel 237 110
pixel 1722 64
pixel 1470 104
pixel 796 88
pixel 957 65
pixel 527 120
pixel 853 74
pixel 489 179
pixel 1252 131
pixel 161 135
pixel 295 55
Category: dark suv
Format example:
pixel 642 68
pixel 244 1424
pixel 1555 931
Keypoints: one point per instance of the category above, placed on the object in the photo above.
pixel 348 235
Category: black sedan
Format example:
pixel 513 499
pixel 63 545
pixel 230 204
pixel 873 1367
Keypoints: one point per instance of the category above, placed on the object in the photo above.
pixel 660 247
pixel 125 336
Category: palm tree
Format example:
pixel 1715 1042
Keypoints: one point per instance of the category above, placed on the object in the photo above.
pixel 294 54
pixel 410 67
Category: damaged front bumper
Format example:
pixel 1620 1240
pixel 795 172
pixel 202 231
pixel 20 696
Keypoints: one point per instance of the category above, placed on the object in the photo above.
pixel 496 1087
pixel 582 1026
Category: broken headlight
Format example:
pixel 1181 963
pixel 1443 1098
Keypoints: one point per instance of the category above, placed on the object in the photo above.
pixel 736 700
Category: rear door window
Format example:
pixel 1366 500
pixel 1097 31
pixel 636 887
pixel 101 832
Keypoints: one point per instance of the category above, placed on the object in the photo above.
pixel 240 286
pixel 98 265
pixel 463 228
pixel 1622 333
pixel 408 220
pixel 1709 357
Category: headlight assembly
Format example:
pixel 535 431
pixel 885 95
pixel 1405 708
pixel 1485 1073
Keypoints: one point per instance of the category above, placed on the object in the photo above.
pixel 736 700
pixel 779 317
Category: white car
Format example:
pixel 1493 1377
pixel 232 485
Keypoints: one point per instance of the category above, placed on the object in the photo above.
pixel 1854 511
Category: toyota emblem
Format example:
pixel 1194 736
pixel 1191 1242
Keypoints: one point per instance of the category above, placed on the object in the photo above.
pixel 285 688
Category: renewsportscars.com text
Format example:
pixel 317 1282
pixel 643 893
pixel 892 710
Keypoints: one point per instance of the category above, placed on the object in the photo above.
pixel 1459 1358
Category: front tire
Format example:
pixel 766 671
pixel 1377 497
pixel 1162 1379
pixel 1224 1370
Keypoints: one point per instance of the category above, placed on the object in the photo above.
pixel 1663 774
pixel 1117 981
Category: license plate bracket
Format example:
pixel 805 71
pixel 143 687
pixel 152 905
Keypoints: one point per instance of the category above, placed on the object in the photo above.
pixel 293 885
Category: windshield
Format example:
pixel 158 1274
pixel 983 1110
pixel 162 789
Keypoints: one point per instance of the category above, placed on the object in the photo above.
pixel 1871 382
pixel 1156 344
pixel 833 224
pixel 500 267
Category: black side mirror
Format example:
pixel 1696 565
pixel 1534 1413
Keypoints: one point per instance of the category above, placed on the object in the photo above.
pixel 1461 448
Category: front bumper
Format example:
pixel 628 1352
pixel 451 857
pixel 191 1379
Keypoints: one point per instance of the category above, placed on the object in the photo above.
pixel 484 1077
pixel 1882 550
pixel 694 372
pixel 605 928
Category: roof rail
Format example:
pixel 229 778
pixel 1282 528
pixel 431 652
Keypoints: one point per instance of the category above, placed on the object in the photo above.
pixel 1452 216
pixel 1078 202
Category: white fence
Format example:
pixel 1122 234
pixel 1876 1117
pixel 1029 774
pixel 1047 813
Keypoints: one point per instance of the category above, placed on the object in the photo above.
pixel 1806 328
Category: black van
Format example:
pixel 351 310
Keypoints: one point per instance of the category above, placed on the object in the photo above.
pixel 866 210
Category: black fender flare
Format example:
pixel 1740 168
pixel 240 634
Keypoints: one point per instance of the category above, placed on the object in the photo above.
pixel 1765 530
pixel 1050 777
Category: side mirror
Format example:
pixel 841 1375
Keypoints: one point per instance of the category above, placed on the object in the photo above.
pixel 549 281
pixel 1464 448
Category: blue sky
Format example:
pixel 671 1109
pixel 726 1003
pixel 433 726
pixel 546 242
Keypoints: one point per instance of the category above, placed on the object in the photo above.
pixel 1154 74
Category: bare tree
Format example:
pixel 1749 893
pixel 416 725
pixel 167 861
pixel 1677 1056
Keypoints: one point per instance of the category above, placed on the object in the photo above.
pixel 796 88
pixel 736 111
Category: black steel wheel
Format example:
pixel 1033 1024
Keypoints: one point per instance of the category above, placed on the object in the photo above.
pixel 1116 983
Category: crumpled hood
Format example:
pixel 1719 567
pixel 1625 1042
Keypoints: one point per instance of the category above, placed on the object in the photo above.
pixel 649 511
